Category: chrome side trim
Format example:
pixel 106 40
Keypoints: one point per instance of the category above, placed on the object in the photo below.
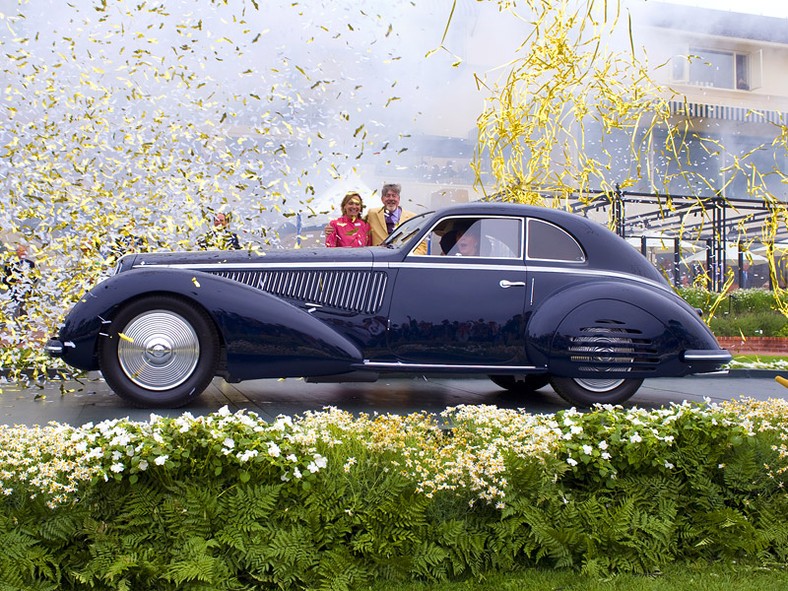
pixel 223 265
pixel 398 365
pixel 431 264
pixel 535 270
pixel 520 268
pixel 600 273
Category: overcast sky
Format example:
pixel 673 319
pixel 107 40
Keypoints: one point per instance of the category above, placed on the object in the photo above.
pixel 778 8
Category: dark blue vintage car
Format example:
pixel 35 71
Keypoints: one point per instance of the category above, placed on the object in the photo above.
pixel 525 295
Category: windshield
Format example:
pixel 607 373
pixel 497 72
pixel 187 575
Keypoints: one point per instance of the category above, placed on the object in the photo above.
pixel 403 233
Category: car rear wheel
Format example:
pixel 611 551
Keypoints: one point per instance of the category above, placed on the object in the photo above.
pixel 587 392
pixel 159 351
pixel 521 384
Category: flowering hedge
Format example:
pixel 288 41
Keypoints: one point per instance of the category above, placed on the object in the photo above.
pixel 228 501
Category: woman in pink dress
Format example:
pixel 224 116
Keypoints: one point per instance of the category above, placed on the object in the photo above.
pixel 350 229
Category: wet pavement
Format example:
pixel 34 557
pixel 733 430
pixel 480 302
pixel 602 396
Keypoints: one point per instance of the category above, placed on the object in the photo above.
pixel 91 400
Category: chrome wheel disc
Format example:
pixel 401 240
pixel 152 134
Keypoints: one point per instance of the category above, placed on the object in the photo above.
pixel 599 385
pixel 601 350
pixel 158 350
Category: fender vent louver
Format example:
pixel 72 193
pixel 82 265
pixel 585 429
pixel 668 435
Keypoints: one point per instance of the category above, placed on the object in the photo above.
pixel 351 291
pixel 611 348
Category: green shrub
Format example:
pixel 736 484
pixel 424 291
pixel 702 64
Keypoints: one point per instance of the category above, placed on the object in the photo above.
pixel 332 501
pixel 766 324
pixel 747 312
pixel 698 297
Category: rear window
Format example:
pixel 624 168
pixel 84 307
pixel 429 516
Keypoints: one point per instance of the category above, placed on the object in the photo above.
pixel 548 242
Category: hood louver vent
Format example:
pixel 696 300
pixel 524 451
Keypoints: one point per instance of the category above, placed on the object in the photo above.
pixel 351 291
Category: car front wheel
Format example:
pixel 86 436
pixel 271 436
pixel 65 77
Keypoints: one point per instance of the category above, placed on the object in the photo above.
pixel 160 352
pixel 587 392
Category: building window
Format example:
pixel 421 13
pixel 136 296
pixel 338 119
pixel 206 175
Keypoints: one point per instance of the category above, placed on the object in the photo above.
pixel 719 69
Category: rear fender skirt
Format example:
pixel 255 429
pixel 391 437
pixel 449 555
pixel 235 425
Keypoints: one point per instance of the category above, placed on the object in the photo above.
pixel 585 329
pixel 263 335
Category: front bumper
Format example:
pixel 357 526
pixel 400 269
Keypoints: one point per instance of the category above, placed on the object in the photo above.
pixel 56 348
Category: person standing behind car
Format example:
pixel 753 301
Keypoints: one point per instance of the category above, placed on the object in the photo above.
pixel 383 221
pixel 220 237
pixel 19 279
pixel 350 229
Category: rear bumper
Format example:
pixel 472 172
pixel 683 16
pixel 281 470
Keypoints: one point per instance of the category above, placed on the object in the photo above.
pixel 706 360
pixel 720 356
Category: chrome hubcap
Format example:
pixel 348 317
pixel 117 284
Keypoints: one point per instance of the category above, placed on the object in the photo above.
pixel 599 385
pixel 158 350
pixel 594 350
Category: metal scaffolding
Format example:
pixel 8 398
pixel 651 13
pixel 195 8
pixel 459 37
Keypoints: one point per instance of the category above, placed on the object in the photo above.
pixel 716 222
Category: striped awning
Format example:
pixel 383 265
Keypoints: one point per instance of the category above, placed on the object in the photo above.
pixel 742 114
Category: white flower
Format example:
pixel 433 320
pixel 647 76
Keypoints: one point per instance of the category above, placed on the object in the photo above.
pixel 350 463
pixel 143 465
pixel 587 449
pixel 228 443
pixel 274 450
pixel 602 445
pixel 161 460
pixel 317 464
pixel 247 455
pixel 118 467
pixel 292 458
pixel 605 455
pixel 282 422
pixel 297 473
pixel 636 438
pixel 120 440
pixel 668 465
pixel 571 461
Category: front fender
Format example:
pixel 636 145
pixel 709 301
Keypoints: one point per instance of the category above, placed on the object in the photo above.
pixel 263 336
pixel 643 331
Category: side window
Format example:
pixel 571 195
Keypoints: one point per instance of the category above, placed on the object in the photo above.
pixel 547 242
pixel 493 237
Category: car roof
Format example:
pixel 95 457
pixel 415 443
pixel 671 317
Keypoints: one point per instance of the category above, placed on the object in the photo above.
pixel 604 248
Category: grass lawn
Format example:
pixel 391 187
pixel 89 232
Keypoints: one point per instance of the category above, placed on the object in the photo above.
pixel 752 357
pixel 705 577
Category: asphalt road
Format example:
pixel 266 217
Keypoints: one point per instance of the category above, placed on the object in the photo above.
pixel 77 403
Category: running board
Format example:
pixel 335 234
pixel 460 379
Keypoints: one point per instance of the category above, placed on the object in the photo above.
pixel 443 367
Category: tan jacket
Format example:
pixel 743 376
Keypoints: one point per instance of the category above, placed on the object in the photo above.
pixel 377 222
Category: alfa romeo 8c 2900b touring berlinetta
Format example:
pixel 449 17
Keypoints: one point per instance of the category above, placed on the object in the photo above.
pixel 525 295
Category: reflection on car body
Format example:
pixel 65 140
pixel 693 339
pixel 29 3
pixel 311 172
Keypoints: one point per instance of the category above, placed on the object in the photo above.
pixel 545 297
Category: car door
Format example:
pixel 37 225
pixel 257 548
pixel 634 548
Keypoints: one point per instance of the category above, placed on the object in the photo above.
pixel 455 305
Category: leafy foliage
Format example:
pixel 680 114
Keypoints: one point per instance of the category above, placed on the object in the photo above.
pixel 330 501
pixel 742 312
